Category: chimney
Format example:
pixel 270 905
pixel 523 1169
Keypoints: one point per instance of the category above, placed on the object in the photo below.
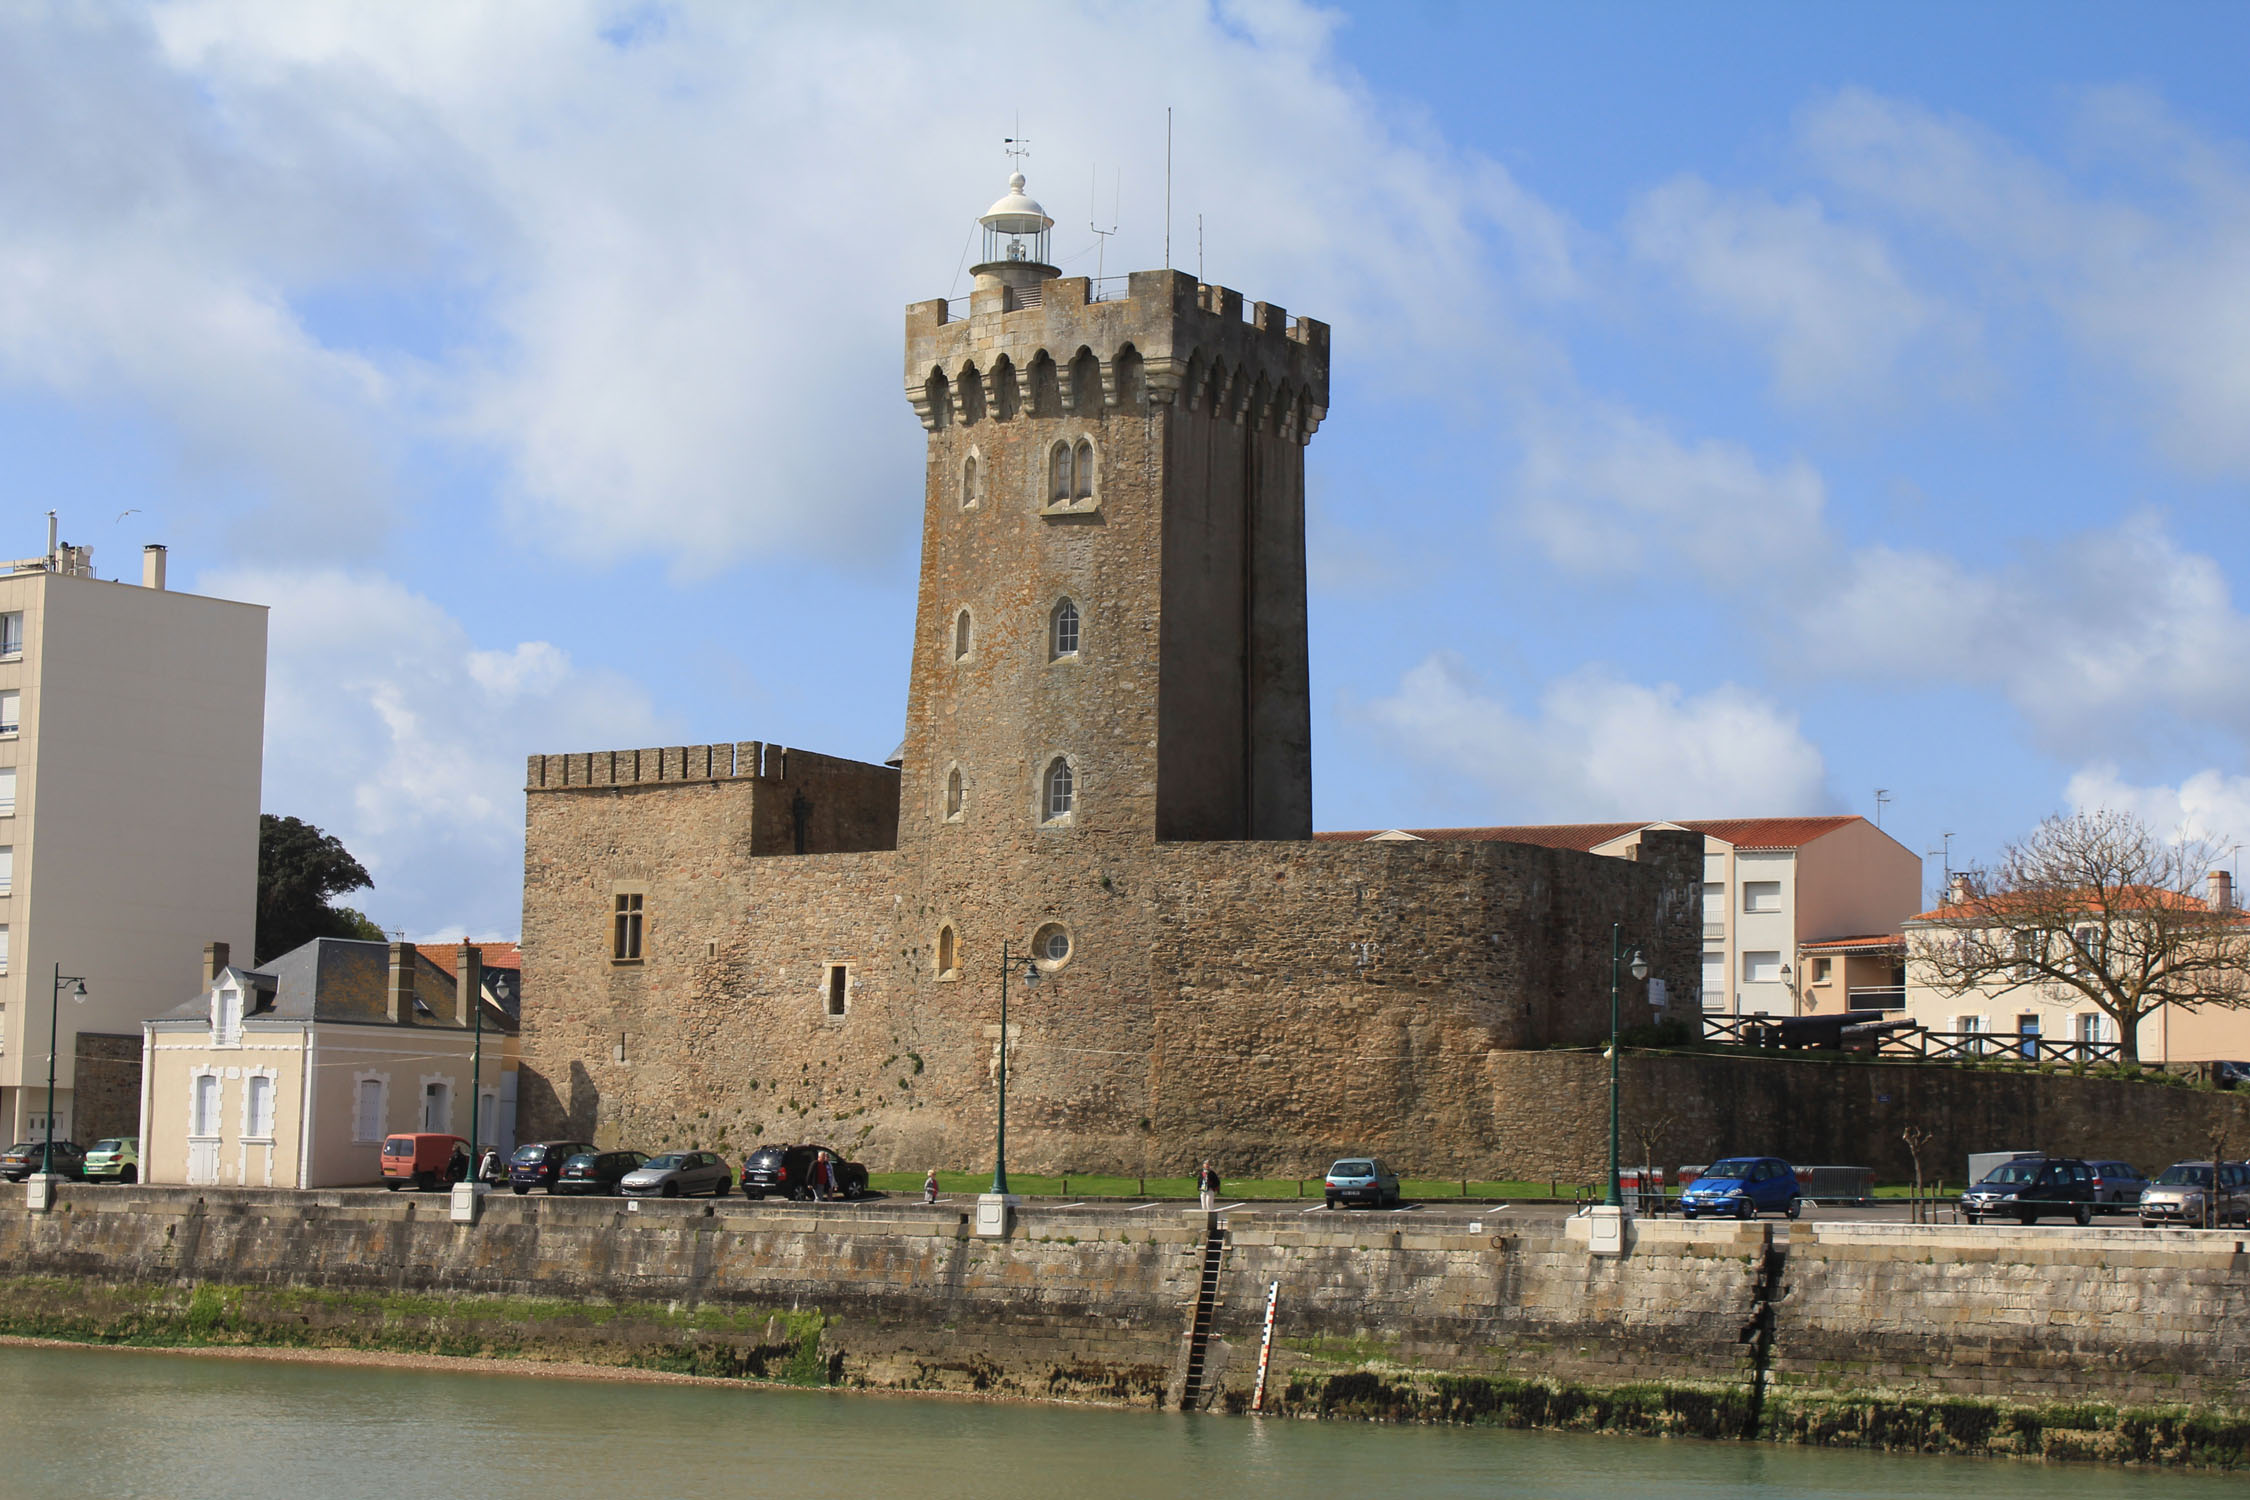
pixel 399 1000
pixel 468 984
pixel 215 957
pixel 1958 892
pixel 2219 891
pixel 152 566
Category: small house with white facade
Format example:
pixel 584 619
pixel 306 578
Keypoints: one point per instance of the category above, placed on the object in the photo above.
pixel 292 1074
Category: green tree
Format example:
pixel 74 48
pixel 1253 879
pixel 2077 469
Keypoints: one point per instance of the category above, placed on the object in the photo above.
pixel 300 870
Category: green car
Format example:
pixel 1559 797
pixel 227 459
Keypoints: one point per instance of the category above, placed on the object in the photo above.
pixel 117 1160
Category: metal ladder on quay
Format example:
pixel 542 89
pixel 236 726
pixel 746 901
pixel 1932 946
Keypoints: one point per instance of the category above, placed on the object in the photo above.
pixel 1206 1310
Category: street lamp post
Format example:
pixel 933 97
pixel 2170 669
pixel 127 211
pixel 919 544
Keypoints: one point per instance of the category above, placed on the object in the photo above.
pixel 1639 966
pixel 476 1076
pixel 1000 1149
pixel 54 1026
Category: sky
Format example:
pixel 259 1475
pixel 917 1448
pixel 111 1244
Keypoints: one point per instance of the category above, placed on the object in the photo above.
pixel 1735 410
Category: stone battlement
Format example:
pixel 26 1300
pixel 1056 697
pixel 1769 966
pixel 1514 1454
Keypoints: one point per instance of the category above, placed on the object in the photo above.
pixel 1170 340
pixel 669 764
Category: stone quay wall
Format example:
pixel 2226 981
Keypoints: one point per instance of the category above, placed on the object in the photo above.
pixel 1096 1303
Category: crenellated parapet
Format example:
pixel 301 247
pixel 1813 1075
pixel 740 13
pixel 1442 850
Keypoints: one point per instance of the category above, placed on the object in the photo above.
pixel 674 763
pixel 1051 351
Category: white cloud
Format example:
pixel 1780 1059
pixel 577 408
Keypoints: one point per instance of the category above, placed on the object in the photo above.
pixel 1600 748
pixel 2097 638
pixel 1604 489
pixel 1833 306
pixel 2151 275
pixel 654 258
pixel 2209 805
pixel 388 727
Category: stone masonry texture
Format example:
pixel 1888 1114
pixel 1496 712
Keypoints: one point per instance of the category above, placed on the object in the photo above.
pixel 1094 1303
pixel 823 940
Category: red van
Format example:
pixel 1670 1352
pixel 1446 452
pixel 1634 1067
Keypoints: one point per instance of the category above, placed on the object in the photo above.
pixel 424 1160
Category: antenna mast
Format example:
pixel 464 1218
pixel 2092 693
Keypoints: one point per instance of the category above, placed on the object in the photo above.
pixel 1167 187
pixel 1017 146
pixel 1101 235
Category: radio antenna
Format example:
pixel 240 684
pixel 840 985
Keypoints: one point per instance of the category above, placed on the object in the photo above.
pixel 1101 235
pixel 1167 187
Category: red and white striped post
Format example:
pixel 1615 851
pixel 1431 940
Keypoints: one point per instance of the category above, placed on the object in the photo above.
pixel 1265 1347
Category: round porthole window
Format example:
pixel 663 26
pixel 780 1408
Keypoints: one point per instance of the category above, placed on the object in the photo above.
pixel 1050 945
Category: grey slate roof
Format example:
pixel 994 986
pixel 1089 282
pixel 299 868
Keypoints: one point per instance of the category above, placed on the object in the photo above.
pixel 338 979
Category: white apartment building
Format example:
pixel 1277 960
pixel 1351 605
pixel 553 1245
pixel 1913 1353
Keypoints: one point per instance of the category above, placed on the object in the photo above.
pixel 1771 886
pixel 132 725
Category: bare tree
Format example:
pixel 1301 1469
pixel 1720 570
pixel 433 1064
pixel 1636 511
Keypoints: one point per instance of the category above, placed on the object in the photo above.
pixel 1916 1138
pixel 2099 906
pixel 1648 1130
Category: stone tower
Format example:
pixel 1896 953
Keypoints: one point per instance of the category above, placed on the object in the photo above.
pixel 1111 632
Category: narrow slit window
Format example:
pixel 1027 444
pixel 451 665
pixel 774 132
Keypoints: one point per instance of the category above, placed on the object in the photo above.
pixel 1082 471
pixel 839 986
pixel 1061 790
pixel 969 481
pixel 946 958
pixel 1064 637
pixel 961 635
pixel 625 940
pixel 953 793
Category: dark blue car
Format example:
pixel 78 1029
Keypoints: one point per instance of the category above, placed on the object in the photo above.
pixel 1742 1187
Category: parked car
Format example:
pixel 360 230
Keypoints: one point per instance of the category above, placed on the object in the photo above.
pixel 2032 1188
pixel 540 1162
pixel 592 1171
pixel 426 1160
pixel 1744 1187
pixel 22 1159
pixel 788 1171
pixel 2184 1194
pixel 2117 1185
pixel 115 1160
pixel 1360 1179
pixel 678 1174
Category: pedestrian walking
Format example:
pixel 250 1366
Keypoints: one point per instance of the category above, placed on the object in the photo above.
pixel 1207 1184
pixel 929 1186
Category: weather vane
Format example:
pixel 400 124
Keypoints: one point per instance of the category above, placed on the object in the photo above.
pixel 1018 146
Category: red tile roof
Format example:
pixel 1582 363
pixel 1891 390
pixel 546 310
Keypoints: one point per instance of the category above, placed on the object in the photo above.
pixel 497 955
pixel 1743 833
pixel 1996 905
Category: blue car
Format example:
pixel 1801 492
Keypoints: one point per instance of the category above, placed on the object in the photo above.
pixel 1743 1187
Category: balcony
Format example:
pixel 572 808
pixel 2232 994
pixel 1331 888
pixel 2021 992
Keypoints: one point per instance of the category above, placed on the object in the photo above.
pixel 1876 997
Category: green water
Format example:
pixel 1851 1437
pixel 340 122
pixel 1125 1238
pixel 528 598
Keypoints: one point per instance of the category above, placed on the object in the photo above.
pixel 121 1424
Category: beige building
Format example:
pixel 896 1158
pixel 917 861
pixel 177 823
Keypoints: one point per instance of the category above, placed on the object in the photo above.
pixel 132 724
pixel 1775 892
pixel 292 1075
pixel 2032 1016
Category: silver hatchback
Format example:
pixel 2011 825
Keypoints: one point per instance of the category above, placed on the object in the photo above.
pixel 2186 1195
pixel 679 1174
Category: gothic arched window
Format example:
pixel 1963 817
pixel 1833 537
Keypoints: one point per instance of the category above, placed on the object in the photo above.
pixel 1062 635
pixel 1058 475
pixel 1061 790
pixel 961 635
pixel 1082 471
pixel 948 961
pixel 953 793
pixel 968 481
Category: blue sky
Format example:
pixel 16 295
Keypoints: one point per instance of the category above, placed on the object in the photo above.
pixel 1735 409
